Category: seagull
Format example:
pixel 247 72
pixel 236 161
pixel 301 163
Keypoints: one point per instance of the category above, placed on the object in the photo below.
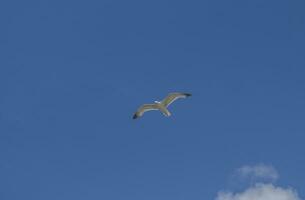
pixel 162 106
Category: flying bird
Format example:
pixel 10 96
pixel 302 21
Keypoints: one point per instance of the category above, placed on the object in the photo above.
pixel 162 106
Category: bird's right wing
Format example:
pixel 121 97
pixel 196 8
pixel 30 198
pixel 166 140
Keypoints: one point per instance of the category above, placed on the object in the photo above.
pixel 174 96
pixel 143 109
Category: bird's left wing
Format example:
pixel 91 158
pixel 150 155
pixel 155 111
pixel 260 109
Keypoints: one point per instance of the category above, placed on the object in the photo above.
pixel 174 96
pixel 143 109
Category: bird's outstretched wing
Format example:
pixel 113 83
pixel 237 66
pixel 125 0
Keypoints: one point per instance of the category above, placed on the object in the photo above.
pixel 174 96
pixel 143 109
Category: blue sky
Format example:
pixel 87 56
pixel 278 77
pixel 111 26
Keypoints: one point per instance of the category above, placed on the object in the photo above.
pixel 72 73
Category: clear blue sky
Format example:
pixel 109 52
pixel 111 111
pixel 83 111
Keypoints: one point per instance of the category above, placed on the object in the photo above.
pixel 73 72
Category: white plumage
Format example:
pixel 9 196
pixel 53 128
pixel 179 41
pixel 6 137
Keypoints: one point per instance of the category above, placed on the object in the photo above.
pixel 162 106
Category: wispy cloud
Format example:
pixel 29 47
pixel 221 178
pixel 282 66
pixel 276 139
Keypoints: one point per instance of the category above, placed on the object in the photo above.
pixel 261 192
pixel 260 171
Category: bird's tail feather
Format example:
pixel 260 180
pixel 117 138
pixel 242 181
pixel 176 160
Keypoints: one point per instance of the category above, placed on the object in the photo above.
pixel 165 112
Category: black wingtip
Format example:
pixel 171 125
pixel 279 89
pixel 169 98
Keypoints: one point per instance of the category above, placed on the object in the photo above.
pixel 135 116
pixel 187 94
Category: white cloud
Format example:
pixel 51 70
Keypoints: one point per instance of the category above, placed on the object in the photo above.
pixel 261 192
pixel 260 189
pixel 260 171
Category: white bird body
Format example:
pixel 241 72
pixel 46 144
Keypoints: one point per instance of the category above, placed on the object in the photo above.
pixel 162 106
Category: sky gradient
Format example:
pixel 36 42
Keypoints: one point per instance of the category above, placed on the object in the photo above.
pixel 72 73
